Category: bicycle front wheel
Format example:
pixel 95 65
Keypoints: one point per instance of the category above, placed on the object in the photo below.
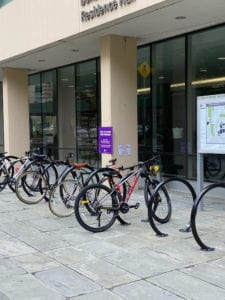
pixel 30 187
pixel 161 206
pixel 96 208
pixel 62 198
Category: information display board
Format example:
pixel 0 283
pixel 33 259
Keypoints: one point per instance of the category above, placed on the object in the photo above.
pixel 211 124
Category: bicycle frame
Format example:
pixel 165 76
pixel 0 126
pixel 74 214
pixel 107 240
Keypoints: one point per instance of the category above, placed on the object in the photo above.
pixel 125 179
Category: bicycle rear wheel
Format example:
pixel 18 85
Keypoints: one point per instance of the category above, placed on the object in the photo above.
pixel 161 208
pixel 14 167
pixel 30 187
pixel 4 178
pixel 96 208
pixel 62 198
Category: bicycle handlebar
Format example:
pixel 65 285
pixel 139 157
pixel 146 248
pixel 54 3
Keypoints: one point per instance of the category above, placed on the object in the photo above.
pixel 141 164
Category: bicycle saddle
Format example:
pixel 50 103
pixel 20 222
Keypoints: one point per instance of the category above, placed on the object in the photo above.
pixel 80 165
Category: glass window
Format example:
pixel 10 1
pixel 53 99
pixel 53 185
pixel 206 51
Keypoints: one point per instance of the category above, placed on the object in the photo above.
pixel 206 77
pixel 43 112
pixel 168 104
pixel 87 111
pixel 144 104
pixel 66 111
pixel 49 113
pixel 35 111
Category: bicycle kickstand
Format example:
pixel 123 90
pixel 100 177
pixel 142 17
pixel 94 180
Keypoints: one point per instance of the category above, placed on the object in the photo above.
pixel 122 222
pixel 187 228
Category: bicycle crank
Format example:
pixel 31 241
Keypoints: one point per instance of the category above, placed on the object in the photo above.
pixel 124 207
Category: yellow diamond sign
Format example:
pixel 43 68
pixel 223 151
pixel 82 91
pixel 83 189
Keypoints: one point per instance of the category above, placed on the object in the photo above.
pixel 144 69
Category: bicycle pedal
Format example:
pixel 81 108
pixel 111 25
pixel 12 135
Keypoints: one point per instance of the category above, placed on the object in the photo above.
pixel 137 205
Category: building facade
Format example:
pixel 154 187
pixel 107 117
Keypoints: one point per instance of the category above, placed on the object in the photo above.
pixel 136 66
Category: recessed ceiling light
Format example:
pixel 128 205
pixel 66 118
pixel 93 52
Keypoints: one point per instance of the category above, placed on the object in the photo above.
pixel 203 70
pixel 180 17
pixel 161 77
pixel 221 58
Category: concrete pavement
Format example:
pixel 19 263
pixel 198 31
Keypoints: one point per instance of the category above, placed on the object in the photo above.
pixel 45 257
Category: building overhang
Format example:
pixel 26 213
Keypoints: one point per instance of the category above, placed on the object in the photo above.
pixel 167 19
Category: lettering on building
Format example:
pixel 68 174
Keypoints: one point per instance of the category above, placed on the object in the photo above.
pixel 100 10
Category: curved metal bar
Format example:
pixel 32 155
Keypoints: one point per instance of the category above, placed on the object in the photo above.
pixel 194 213
pixel 150 204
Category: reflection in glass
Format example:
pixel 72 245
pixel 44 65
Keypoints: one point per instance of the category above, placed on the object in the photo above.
pixel 144 104
pixel 168 101
pixel 66 111
pixel 87 111
pixel 207 77
pixel 35 111
pixel 49 113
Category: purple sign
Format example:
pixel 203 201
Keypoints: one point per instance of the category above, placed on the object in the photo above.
pixel 105 140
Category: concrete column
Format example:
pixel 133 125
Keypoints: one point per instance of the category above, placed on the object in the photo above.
pixel 119 94
pixel 16 111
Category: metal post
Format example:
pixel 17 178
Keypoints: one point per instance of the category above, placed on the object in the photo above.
pixel 200 176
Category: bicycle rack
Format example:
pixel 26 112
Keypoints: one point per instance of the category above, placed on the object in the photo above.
pixel 194 213
pixel 187 228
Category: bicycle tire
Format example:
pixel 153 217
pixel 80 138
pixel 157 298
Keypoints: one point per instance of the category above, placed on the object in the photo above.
pixel 87 208
pixel 50 175
pixel 213 167
pixel 30 187
pixel 162 208
pixel 62 198
pixel 6 170
pixel 82 173
pixel 4 177
pixel 13 169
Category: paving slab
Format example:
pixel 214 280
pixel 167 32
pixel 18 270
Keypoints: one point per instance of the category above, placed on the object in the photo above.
pixel 45 257
pixel 208 272
pixel 104 273
pixel 188 286
pixel 14 247
pixel 144 290
pixel 67 282
pixel 145 262
pixel 35 262
pixel 9 267
pixel 26 287
pixel 100 295
pixel 3 296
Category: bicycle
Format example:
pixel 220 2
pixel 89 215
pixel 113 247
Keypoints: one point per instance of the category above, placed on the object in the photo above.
pixel 40 176
pixel 9 166
pixel 97 206
pixel 64 191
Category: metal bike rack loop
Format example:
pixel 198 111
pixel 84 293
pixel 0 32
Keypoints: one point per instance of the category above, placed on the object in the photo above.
pixel 150 204
pixel 194 213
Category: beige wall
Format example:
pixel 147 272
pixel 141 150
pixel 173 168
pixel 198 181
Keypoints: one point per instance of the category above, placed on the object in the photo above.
pixel 30 24
pixel 15 110
pixel 118 94
pixel 121 11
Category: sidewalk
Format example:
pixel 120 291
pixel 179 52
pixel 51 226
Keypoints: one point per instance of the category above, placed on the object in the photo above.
pixel 45 257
